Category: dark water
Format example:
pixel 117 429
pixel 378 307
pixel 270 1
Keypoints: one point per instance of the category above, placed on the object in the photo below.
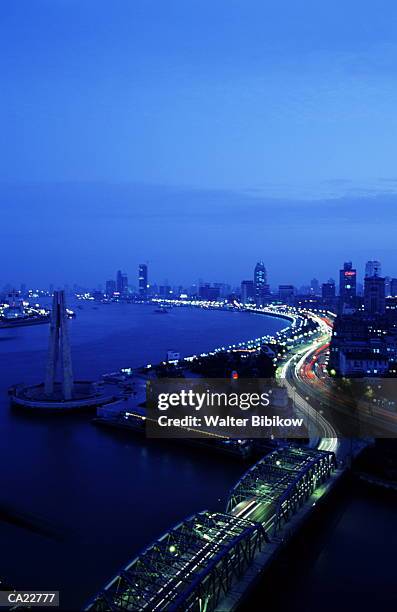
pixel 343 560
pixel 102 496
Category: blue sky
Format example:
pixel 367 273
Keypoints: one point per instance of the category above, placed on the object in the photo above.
pixel 199 135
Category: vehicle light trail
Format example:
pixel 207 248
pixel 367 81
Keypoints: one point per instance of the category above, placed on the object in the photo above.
pixel 296 368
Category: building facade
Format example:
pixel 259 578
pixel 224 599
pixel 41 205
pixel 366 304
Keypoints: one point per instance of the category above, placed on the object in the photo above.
pixel 374 295
pixel 143 281
pixel 373 268
pixel 247 291
pixel 122 283
pixel 347 288
pixel 261 288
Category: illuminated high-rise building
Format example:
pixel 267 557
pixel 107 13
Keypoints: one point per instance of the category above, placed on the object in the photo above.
pixel 143 280
pixel 347 286
pixel 261 288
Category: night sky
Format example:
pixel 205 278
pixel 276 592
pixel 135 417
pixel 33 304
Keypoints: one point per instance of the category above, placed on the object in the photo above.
pixel 197 135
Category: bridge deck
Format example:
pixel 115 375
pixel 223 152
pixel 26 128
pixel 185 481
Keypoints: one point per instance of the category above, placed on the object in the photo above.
pixel 273 488
pixel 184 565
pixel 194 566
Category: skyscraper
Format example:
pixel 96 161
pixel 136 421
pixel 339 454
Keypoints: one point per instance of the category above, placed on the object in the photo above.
pixel 111 287
pixel 261 288
pixel 122 283
pixel 206 292
pixel 314 286
pixel 373 268
pixel 328 290
pixel 247 291
pixel 347 286
pixel 286 293
pixel 393 287
pixel 142 280
pixel 374 295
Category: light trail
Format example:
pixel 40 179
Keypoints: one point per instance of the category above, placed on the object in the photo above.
pixel 292 368
pixel 329 440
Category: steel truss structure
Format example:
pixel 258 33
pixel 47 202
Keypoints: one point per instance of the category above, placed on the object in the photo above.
pixel 190 568
pixel 282 481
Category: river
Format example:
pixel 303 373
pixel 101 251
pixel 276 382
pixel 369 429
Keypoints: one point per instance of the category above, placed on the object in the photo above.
pixel 344 559
pixel 102 495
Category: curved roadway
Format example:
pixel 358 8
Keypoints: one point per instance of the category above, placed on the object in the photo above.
pixel 294 376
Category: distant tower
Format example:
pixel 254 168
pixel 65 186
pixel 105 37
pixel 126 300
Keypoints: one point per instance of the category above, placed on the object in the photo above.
pixel 314 286
pixel 261 288
pixel 111 288
pixel 59 349
pixel 373 268
pixel 374 295
pixel 142 280
pixel 347 286
pixel 328 290
pixel 122 283
pixel 247 291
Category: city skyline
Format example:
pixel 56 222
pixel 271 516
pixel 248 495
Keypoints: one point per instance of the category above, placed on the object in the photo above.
pixel 124 278
pixel 160 230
